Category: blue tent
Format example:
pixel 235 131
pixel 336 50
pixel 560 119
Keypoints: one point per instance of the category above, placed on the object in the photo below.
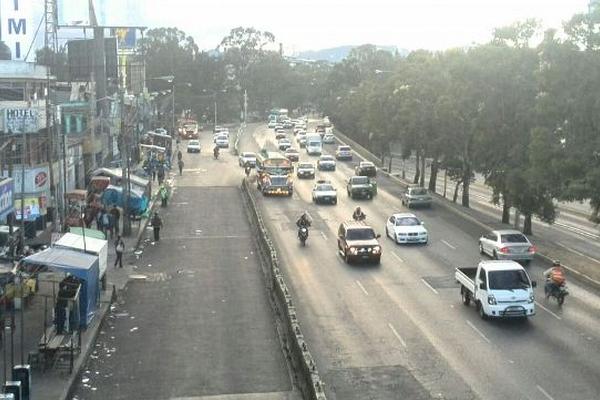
pixel 81 265
pixel 138 202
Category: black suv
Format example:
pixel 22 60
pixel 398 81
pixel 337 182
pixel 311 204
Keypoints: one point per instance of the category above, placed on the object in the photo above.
pixel 366 168
pixel 358 242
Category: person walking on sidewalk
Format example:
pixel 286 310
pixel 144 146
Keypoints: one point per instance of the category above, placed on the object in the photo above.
pixel 119 249
pixel 156 225
pixel 161 174
pixel 116 217
pixel 180 165
pixel 107 224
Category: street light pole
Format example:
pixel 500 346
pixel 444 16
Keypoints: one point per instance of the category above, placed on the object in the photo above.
pixel 173 104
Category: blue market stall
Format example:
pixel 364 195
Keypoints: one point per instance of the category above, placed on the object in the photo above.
pixel 83 266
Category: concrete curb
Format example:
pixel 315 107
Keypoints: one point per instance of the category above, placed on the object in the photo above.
pixel 305 373
pixel 360 151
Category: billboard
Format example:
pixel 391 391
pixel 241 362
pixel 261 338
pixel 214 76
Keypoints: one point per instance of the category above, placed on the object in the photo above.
pixel 108 12
pixel 82 58
pixel 18 22
pixel 6 197
pixel 36 180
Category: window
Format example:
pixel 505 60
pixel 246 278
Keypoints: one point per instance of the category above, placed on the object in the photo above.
pixel 409 221
pixel 482 276
pixel 360 234
pixel 509 280
pixel 392 219
pixel 513 238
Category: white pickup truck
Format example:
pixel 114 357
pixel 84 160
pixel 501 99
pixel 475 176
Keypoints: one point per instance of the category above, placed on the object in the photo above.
pixel 499 289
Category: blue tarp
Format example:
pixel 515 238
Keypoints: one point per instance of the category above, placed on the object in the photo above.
pixel 138 202
pixel 81 265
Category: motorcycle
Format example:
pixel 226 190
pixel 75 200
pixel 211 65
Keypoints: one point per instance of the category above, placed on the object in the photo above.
pixel 558 293
pixel 303 234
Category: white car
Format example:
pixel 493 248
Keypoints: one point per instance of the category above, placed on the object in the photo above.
pixel 247 158
pixel 305 170
pixel 271 124
pixel 222 141
pixel 343 153
pixel 406 228
pixel 284 144
pixel 193 146
pixel 326 163
pixel 328 138
pixel 324 192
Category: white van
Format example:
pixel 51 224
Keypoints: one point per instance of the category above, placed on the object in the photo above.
pixel 314 146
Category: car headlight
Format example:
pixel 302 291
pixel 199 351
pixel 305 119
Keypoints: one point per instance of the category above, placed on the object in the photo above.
pixel 353 250
pixel 376 249
pixel 492 300
pixel 531 298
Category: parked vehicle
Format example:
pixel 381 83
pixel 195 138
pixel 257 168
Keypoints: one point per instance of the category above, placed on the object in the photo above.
pixel 416 196
pixel 499 289
pixel 357 241
pixel 507 244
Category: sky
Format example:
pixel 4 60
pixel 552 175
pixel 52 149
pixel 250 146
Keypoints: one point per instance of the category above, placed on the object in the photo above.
pixel 317 24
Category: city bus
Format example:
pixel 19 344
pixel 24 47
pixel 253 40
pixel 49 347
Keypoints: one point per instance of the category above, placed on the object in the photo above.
pixel 274 173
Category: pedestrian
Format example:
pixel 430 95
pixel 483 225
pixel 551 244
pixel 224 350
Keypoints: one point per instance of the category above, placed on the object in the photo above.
pixel 153 173
pixel 99 221
pixel 119 249
pixel 179 155
pixel 107 224
pixel 156 225
pixel 161 174
pixel 180 164
pixel 116 217
pixel 164 195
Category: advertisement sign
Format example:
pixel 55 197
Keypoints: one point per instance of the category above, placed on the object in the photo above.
pixel 6 197
pixel 33 208
pixel 36 180
pixel 20 120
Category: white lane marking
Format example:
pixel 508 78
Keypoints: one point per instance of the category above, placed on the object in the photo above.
pixel 362 288
pixel 323 234
pixel 579 231
pixel 545 309
pixel 478 331
pixel 578 252
pixel 541 389
pixel 429 286
pixel 398 257
pixel 402 342
pixel 448 244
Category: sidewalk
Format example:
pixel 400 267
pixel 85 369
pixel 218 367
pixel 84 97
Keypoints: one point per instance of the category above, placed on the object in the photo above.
pixel 56 383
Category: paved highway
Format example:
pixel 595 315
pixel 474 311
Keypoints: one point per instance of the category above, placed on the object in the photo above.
pixel 571 232
pixel 195 319
pixel 400 331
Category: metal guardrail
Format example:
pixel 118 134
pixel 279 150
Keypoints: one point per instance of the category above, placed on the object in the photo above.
pixel 306 374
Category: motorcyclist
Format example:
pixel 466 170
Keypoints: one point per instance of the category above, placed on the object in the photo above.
pixel 358 215
pixel 247 169
pixel 304 221
pixel 555 278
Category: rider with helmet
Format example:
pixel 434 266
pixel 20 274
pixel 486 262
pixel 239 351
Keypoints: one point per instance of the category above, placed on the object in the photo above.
pixel 555 278
pixel 358 215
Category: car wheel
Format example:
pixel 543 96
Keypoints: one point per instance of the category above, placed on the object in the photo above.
pixel 346 257
pixel 369 196
pixel 481 248
pixel 495 255
pixel 334 202
pixel 482 312
pixel 396 238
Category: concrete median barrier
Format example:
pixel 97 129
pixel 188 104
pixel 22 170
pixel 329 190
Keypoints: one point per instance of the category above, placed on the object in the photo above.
pixel 304 370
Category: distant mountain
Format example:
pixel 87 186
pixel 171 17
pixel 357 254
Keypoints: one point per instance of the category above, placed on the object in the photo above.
pixel 337 54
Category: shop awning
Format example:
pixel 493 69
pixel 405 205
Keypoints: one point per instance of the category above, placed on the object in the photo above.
pixel 118 173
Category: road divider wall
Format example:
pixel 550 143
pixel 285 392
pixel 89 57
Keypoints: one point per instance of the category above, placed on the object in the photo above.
pixel 304 368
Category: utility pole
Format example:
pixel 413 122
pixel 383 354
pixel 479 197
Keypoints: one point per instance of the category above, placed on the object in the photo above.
pixel 125 167
pixel 173 104
pixel 245 105
pixel 50 45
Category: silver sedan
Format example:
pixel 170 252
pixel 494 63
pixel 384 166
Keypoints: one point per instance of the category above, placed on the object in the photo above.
pixel 507 244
